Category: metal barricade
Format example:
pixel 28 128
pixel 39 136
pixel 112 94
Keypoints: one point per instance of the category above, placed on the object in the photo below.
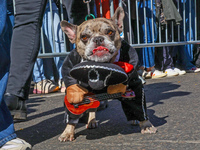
pixel 188 25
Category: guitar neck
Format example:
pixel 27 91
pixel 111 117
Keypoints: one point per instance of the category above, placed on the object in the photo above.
pixel 104 96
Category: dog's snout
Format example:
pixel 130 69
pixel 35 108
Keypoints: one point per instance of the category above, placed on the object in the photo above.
pixel 98 40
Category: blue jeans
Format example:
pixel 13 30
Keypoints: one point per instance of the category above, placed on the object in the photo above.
pixel 147 54
pixel 44 68
pixel 7 131
pixel 185 52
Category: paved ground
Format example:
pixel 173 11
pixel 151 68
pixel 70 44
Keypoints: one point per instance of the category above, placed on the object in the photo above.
pixel 173 107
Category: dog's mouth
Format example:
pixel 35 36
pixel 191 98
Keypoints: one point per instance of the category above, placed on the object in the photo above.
pixel 100 51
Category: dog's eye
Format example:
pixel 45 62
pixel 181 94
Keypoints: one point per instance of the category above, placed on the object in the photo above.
pixel 84 38
pixel 110 32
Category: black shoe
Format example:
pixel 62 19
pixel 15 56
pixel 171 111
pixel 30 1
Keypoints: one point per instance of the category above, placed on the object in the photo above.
pixel 16 106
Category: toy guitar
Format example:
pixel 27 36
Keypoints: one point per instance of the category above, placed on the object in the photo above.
pixel 93 101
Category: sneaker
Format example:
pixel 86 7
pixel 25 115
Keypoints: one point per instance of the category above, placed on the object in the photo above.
pixel 170 72
pixel 157 74
pixel 144 74
pixel 45 86
pixel 193 70
pixel 16 106
pixel 16 144
pixel 180 72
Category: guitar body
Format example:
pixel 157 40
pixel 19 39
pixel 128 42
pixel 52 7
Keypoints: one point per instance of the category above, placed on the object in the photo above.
pixel 92 101
pixel 81 108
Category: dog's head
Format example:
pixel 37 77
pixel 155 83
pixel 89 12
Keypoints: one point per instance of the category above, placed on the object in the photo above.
pixel 97 39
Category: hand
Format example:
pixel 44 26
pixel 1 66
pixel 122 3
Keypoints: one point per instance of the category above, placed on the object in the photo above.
pixel 75 93
pixel 118 88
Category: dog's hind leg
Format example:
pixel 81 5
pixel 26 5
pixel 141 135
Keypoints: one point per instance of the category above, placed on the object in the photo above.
pixel 92 123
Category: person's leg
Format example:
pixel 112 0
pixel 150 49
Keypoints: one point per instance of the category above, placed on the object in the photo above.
pixel 185 52
pixel 183 58
pixel 147 54
pixel 164 58
pixel 147 59
pixel 7 126
pixel 24 49
pixel 25 45
pixel 7 133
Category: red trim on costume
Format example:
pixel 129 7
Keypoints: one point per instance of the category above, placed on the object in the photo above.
pixel 124 65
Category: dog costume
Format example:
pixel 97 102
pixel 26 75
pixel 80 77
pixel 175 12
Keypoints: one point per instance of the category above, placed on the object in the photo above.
pixel 134 109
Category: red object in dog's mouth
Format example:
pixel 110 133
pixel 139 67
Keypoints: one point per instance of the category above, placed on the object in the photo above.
pixel 100 48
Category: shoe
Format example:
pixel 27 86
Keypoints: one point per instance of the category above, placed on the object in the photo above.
pixel 193 70
pixel 45 86
pixel 180 72
pixel 16 144
pixel 157 74
pixel 144 74
pixel 170 72
pixel 16 106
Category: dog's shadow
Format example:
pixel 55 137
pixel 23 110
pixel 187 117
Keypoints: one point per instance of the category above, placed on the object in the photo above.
pixel 113 121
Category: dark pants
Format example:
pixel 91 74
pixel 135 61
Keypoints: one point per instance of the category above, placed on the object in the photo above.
pixel 25 45
pixel 164 58
pixel 77 10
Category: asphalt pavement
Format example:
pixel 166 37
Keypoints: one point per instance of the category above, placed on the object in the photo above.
pixel 173 107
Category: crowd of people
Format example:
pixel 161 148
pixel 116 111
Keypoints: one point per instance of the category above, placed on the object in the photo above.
pixel 19 64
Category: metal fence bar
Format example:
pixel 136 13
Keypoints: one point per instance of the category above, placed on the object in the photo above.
pixel 172 30
pixel 184 26
pixel 195 18
pixel 166 32
pixel 145 24
pixel 137 19
pixel 42 41
pixel 120 3
pixel 190 21
pixel 62 18
pixel 101 11
pixel 111 8
pixel 163 44
pixel 178 7
pixel 152 23
pixel 129 20
pixel 52 27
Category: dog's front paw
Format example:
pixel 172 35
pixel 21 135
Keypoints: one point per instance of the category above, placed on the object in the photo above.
pixel 92 124
pixel 68 133
pixel 147 127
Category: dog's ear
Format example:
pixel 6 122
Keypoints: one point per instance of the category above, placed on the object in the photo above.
pixel 118 18
pixel 69 29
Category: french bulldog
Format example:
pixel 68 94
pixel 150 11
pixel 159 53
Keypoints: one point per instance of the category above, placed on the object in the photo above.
pixel 97 40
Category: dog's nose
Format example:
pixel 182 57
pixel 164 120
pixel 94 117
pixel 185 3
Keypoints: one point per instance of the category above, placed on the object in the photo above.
pixel 98 40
